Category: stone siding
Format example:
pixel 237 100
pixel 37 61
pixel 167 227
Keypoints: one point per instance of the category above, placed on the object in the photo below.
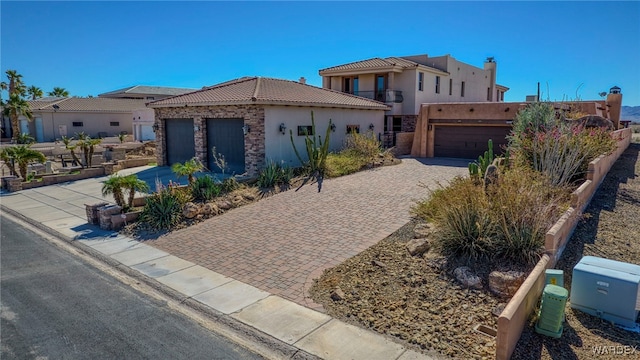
pixel 409 123
pixel 254 141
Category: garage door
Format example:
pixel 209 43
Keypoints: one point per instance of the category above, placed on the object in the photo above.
pixel 227 137
pixel 468 142
pixel 180 142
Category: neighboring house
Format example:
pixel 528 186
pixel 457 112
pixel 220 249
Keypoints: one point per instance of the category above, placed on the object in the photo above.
pixel 96 117
pixel 143 118
pixel 248 121
pixel 408 81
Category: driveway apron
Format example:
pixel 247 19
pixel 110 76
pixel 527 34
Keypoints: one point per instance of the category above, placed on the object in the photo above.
pixel 281 243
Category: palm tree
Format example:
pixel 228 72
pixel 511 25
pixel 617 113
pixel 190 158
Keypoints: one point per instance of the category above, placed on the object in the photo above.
pixel 35 92
pixel 114 185
pixel 6 155
pixel 58 92
pixel 23 156
pixel 189 168
pixel 15 107
pixel 72 148
pixel 15 83
pixel 133 184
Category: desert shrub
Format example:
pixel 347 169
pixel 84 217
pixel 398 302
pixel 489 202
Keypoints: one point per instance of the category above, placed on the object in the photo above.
pixel 275 174
pixel 229 184
pixel 344 163
pixel 205 188
pixel 523 206
pixel 363 145
pixel 463 223
pixel 163 209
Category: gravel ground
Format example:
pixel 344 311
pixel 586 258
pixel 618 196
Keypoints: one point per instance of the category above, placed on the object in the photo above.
pixel 415 300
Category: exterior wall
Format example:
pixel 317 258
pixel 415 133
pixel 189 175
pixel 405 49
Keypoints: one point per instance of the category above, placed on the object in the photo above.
pixel 278 146
pixel 142 124
pixel 93 123
pixel 253 115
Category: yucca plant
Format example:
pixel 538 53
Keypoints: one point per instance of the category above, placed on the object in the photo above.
pixel 205 188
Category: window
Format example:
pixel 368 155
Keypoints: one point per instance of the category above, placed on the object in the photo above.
pixel 488 94
pixel 420 81
pixel 353 129
pixel 114 123
pixel 350 85
pixel 437 84
pixel 462 89
pixel 305 130
pixel 150 98
pixel 77 124
pixel 450 86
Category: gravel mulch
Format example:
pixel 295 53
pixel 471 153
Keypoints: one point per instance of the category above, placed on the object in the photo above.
pixel 416 301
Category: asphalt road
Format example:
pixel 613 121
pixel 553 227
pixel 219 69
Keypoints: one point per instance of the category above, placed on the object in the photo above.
pixel 55 306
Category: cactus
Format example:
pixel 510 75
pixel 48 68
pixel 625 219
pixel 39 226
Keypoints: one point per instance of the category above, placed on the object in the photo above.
pixel 317 152
pixel 479 168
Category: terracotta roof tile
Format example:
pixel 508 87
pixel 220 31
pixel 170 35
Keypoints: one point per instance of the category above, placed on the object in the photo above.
pixel 148 90
pixel 376 63
pixel 262 90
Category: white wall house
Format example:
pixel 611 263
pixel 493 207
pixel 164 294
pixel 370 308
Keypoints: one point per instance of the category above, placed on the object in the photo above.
pixel 405 82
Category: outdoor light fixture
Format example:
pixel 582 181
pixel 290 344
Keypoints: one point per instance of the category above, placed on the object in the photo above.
pixel 155 127
pixel 246 129
pixel 371 126
pixel 333 127
pixel 283 128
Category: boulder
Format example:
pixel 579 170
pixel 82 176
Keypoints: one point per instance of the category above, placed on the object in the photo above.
pixel 337 294
pixel 422 230
pixel 506 283
pixel 417 247
pixel 595 121
pixel 190 210
pixel 467 278
pixel 210 209
pixel 225 205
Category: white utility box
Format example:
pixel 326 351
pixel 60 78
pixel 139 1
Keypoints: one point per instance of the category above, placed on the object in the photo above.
pixel 607 289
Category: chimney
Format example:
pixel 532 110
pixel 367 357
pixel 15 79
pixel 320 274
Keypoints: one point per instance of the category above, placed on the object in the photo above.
pixel 302 80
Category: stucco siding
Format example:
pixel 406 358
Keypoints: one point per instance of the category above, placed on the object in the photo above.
pixel 92 124
pixel 278 146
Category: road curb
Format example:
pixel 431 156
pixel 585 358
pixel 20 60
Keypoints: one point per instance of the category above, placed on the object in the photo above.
pixel 281 349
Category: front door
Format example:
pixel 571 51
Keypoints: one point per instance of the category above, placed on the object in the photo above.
pixel 39 130
pixel 380 87
pixel 227 137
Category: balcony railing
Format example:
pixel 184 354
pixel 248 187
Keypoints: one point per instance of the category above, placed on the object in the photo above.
pixel 387 96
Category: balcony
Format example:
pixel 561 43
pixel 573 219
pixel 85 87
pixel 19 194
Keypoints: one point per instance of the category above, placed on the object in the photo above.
pixel 387 96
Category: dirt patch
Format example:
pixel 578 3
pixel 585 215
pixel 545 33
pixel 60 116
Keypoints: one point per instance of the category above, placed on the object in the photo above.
pixel 417 302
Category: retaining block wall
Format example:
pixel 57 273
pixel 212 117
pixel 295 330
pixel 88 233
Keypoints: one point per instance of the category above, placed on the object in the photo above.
pixel 514 316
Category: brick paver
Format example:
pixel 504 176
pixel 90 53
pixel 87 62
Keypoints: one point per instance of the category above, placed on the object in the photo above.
pixel 280 244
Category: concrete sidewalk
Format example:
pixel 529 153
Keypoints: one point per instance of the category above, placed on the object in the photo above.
pixel 59 209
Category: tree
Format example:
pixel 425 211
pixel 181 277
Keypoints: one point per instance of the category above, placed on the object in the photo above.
pixel 35 92
pixel 22 155
pixel 113 186
pixel 189 168
pixel 15 107
pixel 133 184
pixel 58 92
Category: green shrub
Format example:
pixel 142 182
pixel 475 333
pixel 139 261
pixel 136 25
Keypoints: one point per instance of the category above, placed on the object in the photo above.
pixel 205 188
pixel 365 146
pixel 317 150
pixel 229 184
pixel 163 209
pixel 275 174
pixel 344 163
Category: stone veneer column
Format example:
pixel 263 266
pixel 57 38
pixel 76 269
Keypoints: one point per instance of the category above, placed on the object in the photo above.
pixel 200 138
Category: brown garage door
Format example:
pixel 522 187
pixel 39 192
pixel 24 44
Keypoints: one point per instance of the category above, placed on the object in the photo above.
pixel 468 142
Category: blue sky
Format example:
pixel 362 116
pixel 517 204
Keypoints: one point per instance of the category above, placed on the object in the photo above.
pixel 574 49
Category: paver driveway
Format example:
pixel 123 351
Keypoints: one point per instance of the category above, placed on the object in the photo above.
pixel 280 244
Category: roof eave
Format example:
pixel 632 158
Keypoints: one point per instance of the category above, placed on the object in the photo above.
pixel 272 103
pixel 359 71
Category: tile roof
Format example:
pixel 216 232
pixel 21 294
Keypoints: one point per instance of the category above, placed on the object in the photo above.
pixel 148 90
pixel 76 104
pixel 263 90
pixel 376 63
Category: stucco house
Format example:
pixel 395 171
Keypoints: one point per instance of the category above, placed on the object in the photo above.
pixel 248 121
pixel 143 117
pixel 57 117
pixel 405 82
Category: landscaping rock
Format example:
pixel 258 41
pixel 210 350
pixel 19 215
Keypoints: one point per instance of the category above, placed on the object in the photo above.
pixel 467 278
pixel 210 209
pixel 225 205
pixel 418 247
pixel 337 294
pixel 506 283
pixel 422 230
pixel 237 200
pixel 379 264
pixel 190 210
